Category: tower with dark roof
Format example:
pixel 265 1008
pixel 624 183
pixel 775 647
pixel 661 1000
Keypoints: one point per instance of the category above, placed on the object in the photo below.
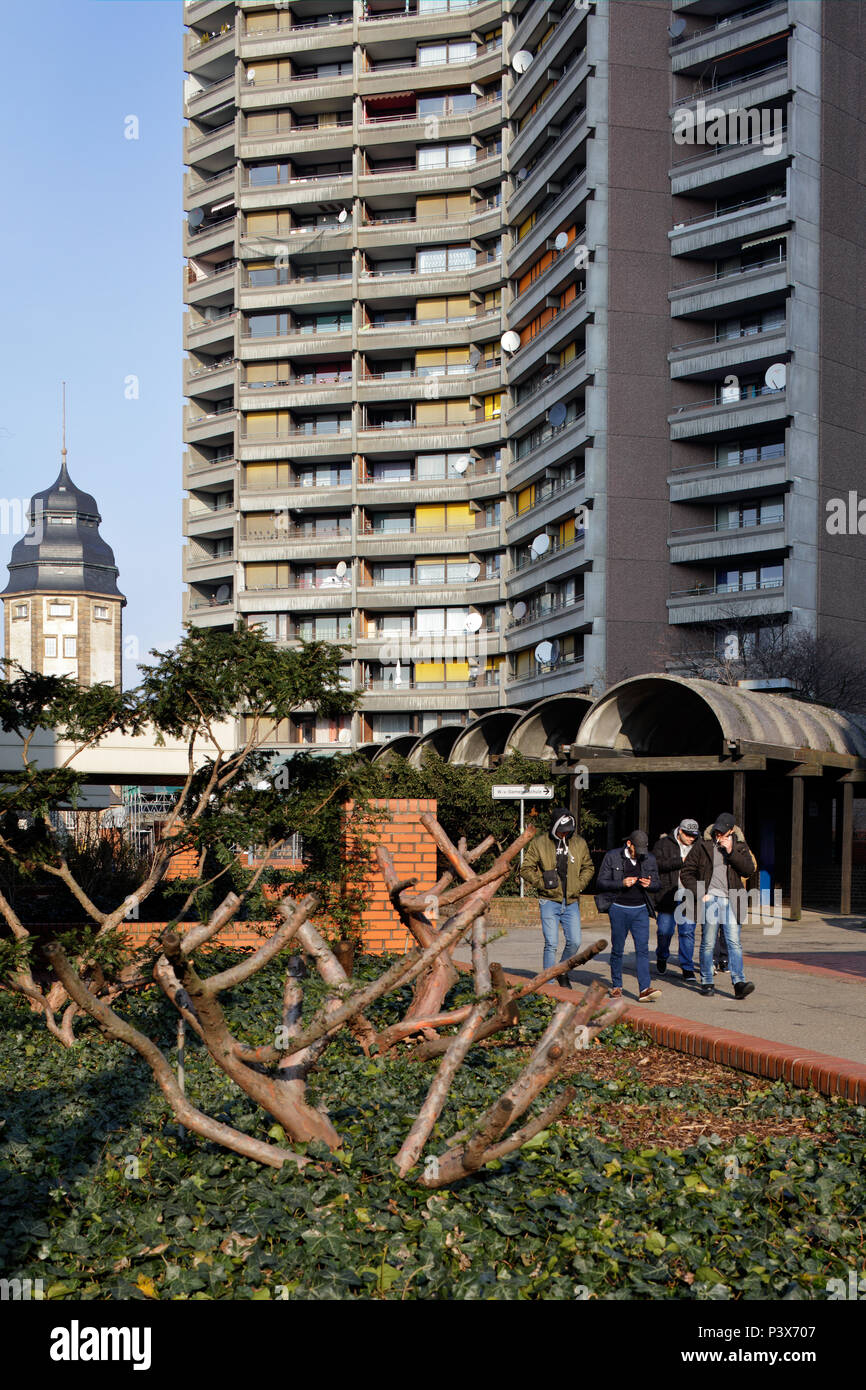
pixel 62 606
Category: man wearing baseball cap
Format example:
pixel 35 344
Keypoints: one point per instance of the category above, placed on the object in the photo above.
pixel 713 874
pixel 670 851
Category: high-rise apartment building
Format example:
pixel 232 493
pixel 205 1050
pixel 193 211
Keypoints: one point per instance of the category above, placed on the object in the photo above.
pixel 507 366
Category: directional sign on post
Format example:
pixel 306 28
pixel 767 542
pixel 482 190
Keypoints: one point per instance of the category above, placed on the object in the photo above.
pixel 534 792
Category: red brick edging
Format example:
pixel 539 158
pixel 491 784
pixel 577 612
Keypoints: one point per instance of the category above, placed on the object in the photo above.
pixel 833 1076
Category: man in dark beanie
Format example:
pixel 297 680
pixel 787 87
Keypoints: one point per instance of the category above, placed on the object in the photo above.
pixel 713 874
pixel 558 865
pixel 626 879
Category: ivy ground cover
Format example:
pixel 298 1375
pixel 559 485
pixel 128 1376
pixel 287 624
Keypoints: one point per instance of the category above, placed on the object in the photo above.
pixel 669 1178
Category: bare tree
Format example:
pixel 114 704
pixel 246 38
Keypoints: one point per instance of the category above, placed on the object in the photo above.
pixel 275 1073
pixel 821 670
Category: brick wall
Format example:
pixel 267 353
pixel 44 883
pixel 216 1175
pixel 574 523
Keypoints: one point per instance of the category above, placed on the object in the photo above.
pixel 398 828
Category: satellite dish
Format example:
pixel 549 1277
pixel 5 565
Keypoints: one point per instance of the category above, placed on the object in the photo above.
pixel 345 736
pixel 510 340
pixel 556 415
pixel 473 622
pixel 541 544
pixel 474 357
pixel 561 241
pixel 343 215
pixel 460 465
pixel 676 27
pixel 341 569
pixel 223 593
pixel 473 569
pixel 251 74
pixel 522 60
pixel 776 376
pixel 522 174
pixel 544 653
pixel 196 217
pixel 518 612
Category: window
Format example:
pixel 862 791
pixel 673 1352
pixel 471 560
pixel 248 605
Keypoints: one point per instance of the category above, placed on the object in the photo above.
pixel 493 406
pixel 447 104
pixel 435 54
pixel 439 466
pixel 446 156
pixel 455 308
pixel 262 175
pixel 102 612
pixel 435 361
pixel 454 412
pixel 268 273
pixel 59 610
pixel 21 610
pixel 392 574
pixel 70 646
pixel 327 629
pixel 268 325
pixel 438 206
pixel 50 646
pixel 390 471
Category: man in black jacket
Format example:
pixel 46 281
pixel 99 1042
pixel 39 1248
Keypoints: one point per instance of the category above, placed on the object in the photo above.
pixel 626 880
pixel 670 851
pixel 713 875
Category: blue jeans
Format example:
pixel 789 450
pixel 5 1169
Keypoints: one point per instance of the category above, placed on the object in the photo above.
pixel 622 921
pixel 553 916
pixel 719 911
pixel 685 941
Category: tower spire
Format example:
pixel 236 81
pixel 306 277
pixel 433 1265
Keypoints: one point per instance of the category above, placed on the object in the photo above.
pixel 63 430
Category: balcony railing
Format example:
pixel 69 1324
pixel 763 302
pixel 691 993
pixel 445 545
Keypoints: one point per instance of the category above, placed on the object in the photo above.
pixel 534 615
pixel 770 264
pixel 553 490
pixel 451 6
pixel 722 151
pixel 720 339
pixel 296 533
pixel 726 21
pixel 211 88
pixel 539 438
pixel 761 75
pixel 310 430
pixel 377 686
pixel 211 226
pixel 715 402
pixel 556 547
pixel 729 527
pixel 544 668
pixel 737 208
pixel 408 117
pixel 439 528
pixel 710 590
pixel 712 464
pixel 399 219
pixel 525 393
pixel 294 382
pixel 326 22
pixel 294 482
pixel 211 603
pixel 212 367
pixel 214 36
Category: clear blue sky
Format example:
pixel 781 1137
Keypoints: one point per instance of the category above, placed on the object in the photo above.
pixel 92 280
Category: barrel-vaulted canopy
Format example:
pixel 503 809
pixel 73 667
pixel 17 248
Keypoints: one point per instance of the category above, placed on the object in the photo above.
pixel 440 741
pixel 484 738
pixel 674 716
pixel 548 725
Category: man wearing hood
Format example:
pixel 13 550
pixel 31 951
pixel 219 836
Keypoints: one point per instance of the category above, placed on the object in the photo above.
pixel 713 874
pixel 670 851
pixel 558 865
pixel 626 879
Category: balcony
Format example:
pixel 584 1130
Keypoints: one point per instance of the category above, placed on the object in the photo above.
pixel 692 177
pixel 718 541
pixel 564 209
pixel 714 480
pixel 711 603
pixel 722 232
pixel 550 501
pixel 212 334
pixel 748 27
pixel 559 679
pixel 439 540
pixel 719 354
pixel 731 417
pixel 553 114
pixel 559 562
pixel 550 448
pixel 556 621
pixel 752 287
pixel 293 596
pixel 748 90
pixel 385 597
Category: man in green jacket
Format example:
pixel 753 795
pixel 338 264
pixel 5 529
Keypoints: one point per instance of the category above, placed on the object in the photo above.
pixel 558 865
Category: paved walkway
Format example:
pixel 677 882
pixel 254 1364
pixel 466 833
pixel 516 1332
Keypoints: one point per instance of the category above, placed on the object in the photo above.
pixel 810 987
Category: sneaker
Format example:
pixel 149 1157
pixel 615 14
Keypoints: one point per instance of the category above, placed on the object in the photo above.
pixel 707 989
pixel 661 966
pixel 614 994
pixel 647 996
pixel 689 975
pixel 743 988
